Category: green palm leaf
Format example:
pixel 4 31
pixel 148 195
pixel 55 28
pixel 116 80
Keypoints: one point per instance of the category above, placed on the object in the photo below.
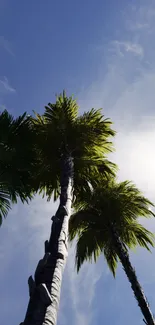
pixel 4 202
pixel 17 159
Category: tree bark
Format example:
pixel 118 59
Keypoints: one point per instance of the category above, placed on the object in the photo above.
pixel 131 274
pixel 45 289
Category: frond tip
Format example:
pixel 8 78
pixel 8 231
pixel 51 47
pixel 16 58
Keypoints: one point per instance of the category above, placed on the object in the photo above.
pixel 88 248
pixel 4 203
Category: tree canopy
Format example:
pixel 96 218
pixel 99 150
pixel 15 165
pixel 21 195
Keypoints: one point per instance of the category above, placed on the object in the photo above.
pixel 111 203
pixel 87 138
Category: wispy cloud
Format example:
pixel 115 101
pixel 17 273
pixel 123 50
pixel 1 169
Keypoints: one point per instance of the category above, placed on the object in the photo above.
pixel 137 26
pixel 125 46
pixel 2 107
pixel 78 284
pixel 5 86
pixel 140 18
pixel 6 45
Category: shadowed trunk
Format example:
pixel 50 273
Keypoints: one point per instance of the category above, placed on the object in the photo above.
pixel 130 272
pixel 45 289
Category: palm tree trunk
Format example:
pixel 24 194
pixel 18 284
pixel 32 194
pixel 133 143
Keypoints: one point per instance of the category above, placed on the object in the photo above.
pixel 130 272
pixel 45 289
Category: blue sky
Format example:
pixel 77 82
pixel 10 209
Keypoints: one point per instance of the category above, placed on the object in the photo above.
pixel 103 53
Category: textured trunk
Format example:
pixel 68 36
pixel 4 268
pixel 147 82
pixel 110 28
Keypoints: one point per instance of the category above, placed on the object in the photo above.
pixel 45 289
pixel 130 272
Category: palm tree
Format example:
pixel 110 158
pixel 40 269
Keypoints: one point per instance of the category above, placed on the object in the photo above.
pixel 107 222
pixel 17 159
pixel 71 151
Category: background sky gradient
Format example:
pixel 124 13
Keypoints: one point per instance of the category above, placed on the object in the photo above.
pixel 103 53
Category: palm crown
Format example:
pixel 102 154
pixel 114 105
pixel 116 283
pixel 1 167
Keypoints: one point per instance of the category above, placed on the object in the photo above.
pixel 86 138
pixel 16 160
pixel 111 204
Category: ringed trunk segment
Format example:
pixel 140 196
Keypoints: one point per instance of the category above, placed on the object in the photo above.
pixel 131 274
pixel 45 289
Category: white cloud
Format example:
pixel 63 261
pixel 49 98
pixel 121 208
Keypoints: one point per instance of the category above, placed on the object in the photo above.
pixel 137 26
pixel 6 45
pixel 126 46
pixel 140 16
pixel 2 107
pixel 133 113
pixel 5 86
pixel 135 157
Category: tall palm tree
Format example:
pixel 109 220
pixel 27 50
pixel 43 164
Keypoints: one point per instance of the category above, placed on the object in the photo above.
pixel 17 159
pixel 107 222
pixel 71 151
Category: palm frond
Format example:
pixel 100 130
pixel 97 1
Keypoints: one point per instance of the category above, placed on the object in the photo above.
pixel 17 156
pixel 80 220
pixel 92 134
pixel 137 235
pixel 111 258
pixel 4 203
pixel 88 248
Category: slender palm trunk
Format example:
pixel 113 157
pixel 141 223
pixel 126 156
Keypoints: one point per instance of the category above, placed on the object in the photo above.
pixel 130 272
pixel 45 289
